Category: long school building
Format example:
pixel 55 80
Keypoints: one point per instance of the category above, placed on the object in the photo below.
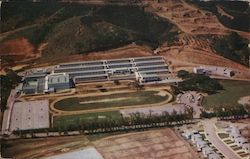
pixel 143 69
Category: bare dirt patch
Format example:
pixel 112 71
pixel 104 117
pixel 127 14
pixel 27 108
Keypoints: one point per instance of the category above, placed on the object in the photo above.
pixel 37 148
pixel 20 46
pixel 223 13
pixel 186 56
pixel 162 143
pixel 187 17
pixel 122 52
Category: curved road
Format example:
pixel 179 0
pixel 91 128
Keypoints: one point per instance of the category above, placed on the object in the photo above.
pixel 216 141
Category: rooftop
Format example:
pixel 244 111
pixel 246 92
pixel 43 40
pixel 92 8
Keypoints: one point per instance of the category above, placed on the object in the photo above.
pixel 58 78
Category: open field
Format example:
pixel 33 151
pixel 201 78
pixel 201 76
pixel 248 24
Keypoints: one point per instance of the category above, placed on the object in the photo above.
pixel 161 144
pixel 37 148
pixel 233 91
pixel 158 143
pixel 113 100
pixel 59 121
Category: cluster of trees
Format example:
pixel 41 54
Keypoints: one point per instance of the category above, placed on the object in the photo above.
pixel 232 112
pixel 233 47
pixel 101 27
pixel 134 122
pixel 239 10
pixel 8 81
pixel 196 82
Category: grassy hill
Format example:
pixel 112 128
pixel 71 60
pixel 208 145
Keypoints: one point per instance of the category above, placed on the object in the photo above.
pixel 238 10
pixel 74 28
pixel 69 28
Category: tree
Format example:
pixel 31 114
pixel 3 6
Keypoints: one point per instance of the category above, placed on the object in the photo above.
pixel 8 81
pixel 200 83
pixel 183 74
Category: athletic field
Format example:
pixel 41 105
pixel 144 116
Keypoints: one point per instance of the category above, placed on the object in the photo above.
pixel 112 100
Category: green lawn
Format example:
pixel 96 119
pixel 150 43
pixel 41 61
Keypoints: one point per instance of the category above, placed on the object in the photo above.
pixel 77 119
pixel 114 100
pixel 233 91
pixel 223 135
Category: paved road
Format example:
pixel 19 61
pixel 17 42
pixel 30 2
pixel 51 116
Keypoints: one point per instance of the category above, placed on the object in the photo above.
pixel 215 140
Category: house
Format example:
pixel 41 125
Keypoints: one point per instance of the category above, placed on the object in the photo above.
pixel 201 144
pixel 228 130
pixel 188 134
pixel 196 137
pixel 240 141
pixel 213 156
pixel 207 150
pixel 215 71
pixel 235 133
pixel 246 147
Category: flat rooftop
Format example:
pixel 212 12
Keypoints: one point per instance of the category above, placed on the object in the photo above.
pixel 58 78
pixel 103 62
pixel 30 115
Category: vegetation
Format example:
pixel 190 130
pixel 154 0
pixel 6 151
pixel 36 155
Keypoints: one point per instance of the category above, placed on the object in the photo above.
pixel 136 121
pixel 19 14
pixel 183 74
pixel 229 96
pixel 113 100
pixel 223 135
pixel 8 81
pixel 234 48
pixel 200 83
pixel 239 10
pixel 60 121
pixel 228 113
pixel 79 28
pixel 234 112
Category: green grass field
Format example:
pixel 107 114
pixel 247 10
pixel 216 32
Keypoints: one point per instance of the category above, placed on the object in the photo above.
pixel 113 100
pixel 77 119
pixel 233 91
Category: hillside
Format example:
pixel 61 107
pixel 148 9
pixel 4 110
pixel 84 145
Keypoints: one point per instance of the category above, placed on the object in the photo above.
pixel 57 29
pixel 68 28
pixel 234 15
